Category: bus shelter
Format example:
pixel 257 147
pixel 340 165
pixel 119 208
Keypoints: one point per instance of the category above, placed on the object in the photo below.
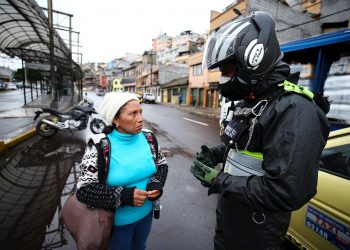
pixel 26 33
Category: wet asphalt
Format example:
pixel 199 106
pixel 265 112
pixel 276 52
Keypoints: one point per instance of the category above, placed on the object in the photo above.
pixel 37 176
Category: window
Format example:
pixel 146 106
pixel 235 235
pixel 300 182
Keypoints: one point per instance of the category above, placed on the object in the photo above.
pixel 197 69
pixel 175 91
pixel 336 160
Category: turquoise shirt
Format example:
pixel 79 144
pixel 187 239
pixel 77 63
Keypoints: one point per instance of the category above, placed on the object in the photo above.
pixel 131 164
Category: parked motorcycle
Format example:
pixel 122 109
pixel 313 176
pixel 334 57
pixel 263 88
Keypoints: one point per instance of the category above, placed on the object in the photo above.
pixel 86 102
pixel 75 119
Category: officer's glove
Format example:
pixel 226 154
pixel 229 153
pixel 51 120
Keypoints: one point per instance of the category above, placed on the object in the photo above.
pixel 206 156
pixel 204 173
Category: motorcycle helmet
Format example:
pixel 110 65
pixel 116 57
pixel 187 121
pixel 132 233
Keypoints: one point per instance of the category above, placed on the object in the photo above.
pixel 250 43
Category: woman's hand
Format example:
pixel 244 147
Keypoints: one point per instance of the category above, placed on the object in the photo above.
pixel 139 197
pixel 153 194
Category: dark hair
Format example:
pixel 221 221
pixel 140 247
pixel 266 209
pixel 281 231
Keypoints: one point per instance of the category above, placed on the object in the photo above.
pixel 108 129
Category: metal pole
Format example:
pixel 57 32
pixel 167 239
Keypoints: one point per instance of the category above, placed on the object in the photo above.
pixel 36 84
pixel 24 83
pixel 78 50
pixel 54 103
pixel 151 69
pixel 70 58
pixel 31 87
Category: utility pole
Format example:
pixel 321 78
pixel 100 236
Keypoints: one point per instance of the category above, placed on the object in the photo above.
pixel 151 52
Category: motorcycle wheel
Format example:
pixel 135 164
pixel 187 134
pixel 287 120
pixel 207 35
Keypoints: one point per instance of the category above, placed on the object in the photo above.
pixel 97 126
pixel 45 130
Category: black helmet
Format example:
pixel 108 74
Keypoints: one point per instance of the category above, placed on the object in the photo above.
pixel 251 42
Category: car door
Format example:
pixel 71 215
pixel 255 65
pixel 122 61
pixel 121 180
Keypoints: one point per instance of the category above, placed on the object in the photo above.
pixel 324 222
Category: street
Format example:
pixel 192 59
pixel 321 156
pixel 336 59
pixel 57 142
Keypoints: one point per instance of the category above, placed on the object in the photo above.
pixel 37 176
pixel 274 74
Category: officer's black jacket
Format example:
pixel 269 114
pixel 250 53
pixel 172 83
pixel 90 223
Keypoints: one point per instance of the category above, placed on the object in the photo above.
pixel 291 133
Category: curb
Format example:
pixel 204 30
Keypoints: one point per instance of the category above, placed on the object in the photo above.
pixel 4 146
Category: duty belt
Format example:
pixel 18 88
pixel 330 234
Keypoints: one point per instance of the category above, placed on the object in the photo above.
pixel 244 163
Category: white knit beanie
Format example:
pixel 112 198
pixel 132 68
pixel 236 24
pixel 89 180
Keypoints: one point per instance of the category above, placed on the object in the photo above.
pixel 112 102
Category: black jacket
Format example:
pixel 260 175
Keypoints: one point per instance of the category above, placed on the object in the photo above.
pixel 291 133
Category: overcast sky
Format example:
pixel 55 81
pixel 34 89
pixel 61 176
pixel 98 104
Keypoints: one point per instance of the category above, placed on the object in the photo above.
pixel 110 28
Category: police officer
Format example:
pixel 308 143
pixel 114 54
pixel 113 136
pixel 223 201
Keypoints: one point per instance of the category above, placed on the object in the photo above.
pixel 271 146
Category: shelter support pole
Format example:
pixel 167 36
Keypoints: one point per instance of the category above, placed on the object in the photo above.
pixel 24 83
pixel 54 103
pixel 70 59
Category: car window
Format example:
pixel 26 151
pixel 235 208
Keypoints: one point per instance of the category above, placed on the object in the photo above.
pixel 336 160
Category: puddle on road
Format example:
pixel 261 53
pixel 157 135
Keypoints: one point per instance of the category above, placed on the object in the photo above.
pixel 168 151
pixel 34 183
pixel 154 127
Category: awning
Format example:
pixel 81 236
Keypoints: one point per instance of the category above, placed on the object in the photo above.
pixel 24 33
pixel 183 81
pixel 319 40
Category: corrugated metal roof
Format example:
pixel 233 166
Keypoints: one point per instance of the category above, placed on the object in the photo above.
pixel 24 32
pixel 176 82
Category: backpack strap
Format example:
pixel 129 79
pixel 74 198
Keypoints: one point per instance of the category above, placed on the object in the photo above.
pixel 101 163
pixel 153 142
pixel 103 149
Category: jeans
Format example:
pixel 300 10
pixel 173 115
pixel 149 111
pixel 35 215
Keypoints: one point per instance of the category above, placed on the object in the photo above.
pixel 132 236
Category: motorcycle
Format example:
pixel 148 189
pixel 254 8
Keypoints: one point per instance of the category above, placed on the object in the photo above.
pixel 75 119
pixel 86 102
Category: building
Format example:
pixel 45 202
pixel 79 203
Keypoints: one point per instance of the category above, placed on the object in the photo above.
pixel 294 20
pixel 172 90
pixel 162 42
pixel 177 49
pixel 5 74
pixel 129 76
pixel 198 83
pixel 117 85
pixel 151 75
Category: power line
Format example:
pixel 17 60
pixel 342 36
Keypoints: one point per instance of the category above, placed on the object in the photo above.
pixel 296 25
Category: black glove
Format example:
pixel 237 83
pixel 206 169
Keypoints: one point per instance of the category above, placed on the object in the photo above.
pixel 204 173
pixel 206 156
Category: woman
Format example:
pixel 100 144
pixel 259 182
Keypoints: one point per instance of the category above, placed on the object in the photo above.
pixel 136 172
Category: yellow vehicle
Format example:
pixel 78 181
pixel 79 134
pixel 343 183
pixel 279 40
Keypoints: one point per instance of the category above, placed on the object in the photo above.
pixel 324 222
pixel 140 98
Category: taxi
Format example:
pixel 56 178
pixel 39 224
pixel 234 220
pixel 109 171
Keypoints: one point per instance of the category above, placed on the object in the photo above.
pixel 324 222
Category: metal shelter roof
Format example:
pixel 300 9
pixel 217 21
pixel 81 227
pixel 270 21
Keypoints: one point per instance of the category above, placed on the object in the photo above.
pixel 318 40
pixel 24 32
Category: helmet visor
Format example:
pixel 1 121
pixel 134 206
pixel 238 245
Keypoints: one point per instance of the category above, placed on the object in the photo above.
pixel 221 46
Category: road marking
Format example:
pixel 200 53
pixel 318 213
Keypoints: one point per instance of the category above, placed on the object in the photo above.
pixel 204 124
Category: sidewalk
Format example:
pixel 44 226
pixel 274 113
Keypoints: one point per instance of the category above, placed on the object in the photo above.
pixel 18 124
